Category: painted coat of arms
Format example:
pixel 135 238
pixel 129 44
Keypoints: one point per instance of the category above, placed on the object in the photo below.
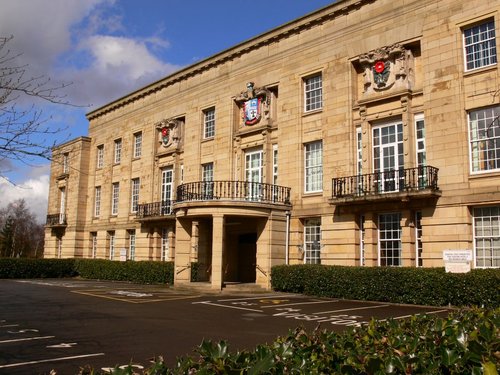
pixel 387 67
pixel 253 103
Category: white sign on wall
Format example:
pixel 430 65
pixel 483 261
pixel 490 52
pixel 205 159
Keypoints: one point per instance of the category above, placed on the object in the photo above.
pixel 457 261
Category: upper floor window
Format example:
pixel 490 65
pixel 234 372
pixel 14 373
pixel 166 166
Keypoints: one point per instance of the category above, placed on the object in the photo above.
pixel 208 178
pixel 313 167
pixel 480 45
pixel 115 198
pixel 100 156
pixel 484 130
pixel 134 199
pixel 97 201
pixel 137 145
pixel 66 163
pixel 118 151
pixel 209 123
pixel 313 93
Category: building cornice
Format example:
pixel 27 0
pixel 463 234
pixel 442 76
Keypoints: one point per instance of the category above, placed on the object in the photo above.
pixel 306 22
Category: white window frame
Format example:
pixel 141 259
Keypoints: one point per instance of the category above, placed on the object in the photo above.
pixel 118 151
pixel 418 239
pixel 479 43
pixel 387 235
pixel 62 205
pixel 111 237
pixel 100 156
pixel 93 244
pixel 97 201
pixel 137 145
pixel 312 241
pixel 131 244
pixel 486 232
pixel 207 176
pixel 115 197
pixel 66 162
pixel 134 196
pixel 167 188
pixel 165 246
pixel 209 123
pixel 484 130
pixel 313 167
pixel 313 93
pixel 362 233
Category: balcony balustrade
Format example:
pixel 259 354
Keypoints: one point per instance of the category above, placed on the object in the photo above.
pixel 233 191
pixel 56 220
pixel 155 209
pixel 409 181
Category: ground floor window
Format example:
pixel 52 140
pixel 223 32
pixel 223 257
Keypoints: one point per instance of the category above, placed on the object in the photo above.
pixel 131 244
pixel 59 247
pixel 164 244
pixel 312 241
pixel 362 240
pixel 418 238
pixel 93 244
pixel 487 236
pixel 390 239
pixel 111 244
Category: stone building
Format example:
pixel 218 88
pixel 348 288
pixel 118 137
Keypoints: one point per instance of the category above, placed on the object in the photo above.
pixel 364 133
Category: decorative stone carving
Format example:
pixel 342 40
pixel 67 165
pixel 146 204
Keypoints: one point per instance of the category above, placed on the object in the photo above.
pixel 254 104
pixel 169 132
pixel 386 68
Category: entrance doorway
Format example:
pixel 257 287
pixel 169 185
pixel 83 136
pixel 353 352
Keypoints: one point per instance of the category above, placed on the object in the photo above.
pixel 247 257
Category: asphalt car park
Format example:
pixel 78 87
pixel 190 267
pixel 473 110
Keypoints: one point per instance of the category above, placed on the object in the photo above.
pixel 67 324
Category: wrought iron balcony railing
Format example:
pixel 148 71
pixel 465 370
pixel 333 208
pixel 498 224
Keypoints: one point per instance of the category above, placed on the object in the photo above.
pixel 56 220
pixel 399 180
pixel 233 191
pixel 155 209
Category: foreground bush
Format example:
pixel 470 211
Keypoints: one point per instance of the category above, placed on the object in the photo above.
pixel 30 268
pixel 467 342
pixel 422 286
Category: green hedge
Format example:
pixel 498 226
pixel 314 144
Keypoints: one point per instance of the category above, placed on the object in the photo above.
pixel 144 272
pixel 466 342
pixel 422 286
pixel 30 268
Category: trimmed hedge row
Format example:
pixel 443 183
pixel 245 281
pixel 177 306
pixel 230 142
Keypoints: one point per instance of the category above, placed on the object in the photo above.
pixel 144 272
pixel 466 342
pixel 422 286
pixel 30 268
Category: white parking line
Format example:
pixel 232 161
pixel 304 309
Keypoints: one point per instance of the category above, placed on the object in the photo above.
pixel 227 306
pixel 251 298
pixel 27 339
pixel 50 360
pixel 298 303
pixel 351 309
pixel 409 316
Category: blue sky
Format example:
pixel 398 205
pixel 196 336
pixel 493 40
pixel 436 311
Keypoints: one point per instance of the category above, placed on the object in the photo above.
pixel 108 48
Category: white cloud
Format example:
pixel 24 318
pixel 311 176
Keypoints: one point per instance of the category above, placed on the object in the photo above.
pixel 34 191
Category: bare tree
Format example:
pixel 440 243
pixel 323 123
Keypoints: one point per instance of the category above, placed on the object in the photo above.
pixel 20 234
pixel 24 131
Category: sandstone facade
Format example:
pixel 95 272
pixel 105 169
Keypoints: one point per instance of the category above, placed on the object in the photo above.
pixel 365 133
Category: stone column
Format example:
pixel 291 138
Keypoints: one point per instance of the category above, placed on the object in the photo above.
pixel 371 239
pixel 218 252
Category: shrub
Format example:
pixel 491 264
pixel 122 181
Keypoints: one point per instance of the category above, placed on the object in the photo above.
pixel 467 342
pixel 423 286
pixel 30 268
pixel 144 272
